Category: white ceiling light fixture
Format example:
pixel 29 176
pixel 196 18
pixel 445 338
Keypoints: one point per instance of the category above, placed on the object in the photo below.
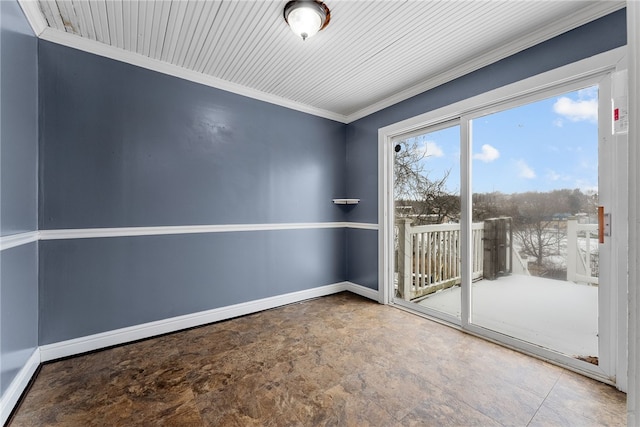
pixel 306 17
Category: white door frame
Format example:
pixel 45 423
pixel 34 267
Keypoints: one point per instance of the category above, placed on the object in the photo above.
pixel 633 42
pixel 589 68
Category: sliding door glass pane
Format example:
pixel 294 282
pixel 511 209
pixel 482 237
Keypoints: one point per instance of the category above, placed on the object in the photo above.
pixel 535 197
pixel 427 218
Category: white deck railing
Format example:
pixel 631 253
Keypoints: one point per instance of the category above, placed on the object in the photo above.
pixel 428 256
pixel 582 252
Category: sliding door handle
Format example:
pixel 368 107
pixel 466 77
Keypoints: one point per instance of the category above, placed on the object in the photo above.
pixel 600 224
pixel 604 224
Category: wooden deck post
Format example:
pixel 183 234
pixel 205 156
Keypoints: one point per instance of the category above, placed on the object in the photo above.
pixel 497 246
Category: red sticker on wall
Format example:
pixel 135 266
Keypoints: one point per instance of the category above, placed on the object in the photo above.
pixel 616 114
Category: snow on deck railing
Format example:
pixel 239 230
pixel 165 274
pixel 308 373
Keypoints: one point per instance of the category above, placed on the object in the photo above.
pixel 429 257
pixel 582 252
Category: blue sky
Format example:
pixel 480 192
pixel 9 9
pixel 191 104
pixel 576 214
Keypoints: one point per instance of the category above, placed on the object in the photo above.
pixel 547 145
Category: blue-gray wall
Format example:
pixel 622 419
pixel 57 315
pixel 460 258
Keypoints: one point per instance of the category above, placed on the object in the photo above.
pixel 598 36
pixel 18 309
pixel 122 146
pixel 18 190
pixel 95 285
pixel 19 131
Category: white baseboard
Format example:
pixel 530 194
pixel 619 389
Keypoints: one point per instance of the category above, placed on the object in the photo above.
pixel 362 291
pixel 120 336
pixel 19 384
pixel 81 345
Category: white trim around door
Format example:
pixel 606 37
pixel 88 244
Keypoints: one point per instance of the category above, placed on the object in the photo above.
pixel 587 70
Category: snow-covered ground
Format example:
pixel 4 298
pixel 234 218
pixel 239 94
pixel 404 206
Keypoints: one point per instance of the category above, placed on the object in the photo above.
pixel 558 315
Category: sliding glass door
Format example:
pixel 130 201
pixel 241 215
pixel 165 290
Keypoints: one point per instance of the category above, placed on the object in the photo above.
pixel 499 221
pixel 536 197
pixel 426 192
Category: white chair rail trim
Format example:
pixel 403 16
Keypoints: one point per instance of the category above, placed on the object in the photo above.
pixel 89 233
pixel 11 241
pixel 8 242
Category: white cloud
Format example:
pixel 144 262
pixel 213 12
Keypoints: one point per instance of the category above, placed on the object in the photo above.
pixel 524 170
pixel 555 176
pixel 558 123
pixel 431 149
pixel 580 110
pixel 586 186
pixel 488 154
pixel 590 92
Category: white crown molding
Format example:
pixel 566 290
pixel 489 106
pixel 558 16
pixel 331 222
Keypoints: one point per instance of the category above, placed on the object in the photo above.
pixel 577 19
pixel 34 16
pixel 12 394
pixel 585 15
pixel 8 242
pixel 111 52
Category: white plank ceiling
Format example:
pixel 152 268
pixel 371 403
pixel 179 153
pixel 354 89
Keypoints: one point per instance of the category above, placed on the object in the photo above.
pixel 371 54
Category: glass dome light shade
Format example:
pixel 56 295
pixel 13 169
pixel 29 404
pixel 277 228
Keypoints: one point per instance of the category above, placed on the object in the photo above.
pixel 304 22
pixel 306 17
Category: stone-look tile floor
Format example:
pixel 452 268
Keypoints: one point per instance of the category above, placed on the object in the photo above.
pixel 339 360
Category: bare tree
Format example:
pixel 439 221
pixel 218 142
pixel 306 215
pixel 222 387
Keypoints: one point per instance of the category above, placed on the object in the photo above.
pixel 428 199
pixel 539 240
pixel 488 205
pixel 539 220
pixel 537 228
